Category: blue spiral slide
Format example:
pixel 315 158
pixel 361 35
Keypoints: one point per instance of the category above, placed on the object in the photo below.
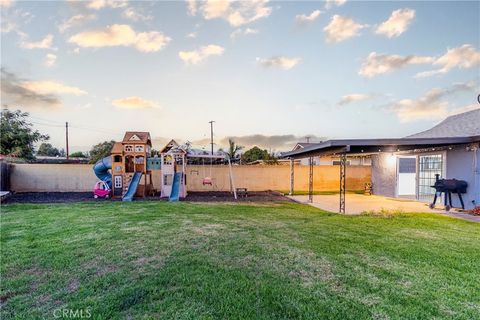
pixel 101 168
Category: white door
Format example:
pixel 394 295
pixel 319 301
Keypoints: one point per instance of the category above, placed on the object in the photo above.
pixel 406 176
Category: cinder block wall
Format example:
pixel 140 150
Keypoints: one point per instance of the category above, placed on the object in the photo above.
pixel 80 178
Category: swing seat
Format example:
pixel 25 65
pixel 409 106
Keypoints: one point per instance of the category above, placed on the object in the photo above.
pixel 207 181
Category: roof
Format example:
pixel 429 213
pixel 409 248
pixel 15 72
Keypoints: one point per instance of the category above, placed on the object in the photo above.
pixel 117 147
pixel 458 129
pixel 171 145
pixel 465 124
pixel 136 136
pixel 301 145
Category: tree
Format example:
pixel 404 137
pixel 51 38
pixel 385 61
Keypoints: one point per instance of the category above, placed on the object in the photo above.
pixel 46 149
pixel 78 154
pixel 233 149
pixel 101 150
pixel 17 136
pixel 254 154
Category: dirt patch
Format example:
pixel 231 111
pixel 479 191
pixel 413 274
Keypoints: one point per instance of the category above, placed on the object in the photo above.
pixel 70 197
pixel 73 286
pixel 260 196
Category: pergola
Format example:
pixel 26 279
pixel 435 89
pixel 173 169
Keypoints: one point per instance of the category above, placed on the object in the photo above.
pixel 356 147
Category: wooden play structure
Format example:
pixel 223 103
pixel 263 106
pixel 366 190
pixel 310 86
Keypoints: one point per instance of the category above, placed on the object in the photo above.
pixel 128 171
pixel 132 167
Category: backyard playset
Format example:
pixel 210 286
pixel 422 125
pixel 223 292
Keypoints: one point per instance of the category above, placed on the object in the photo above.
pixel 127 172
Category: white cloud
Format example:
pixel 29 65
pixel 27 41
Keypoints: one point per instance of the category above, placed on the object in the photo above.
pixel 45 43
pixel 134 103
pixel 377 64
pixel 51 87
pixel 397 23
pixel 432 105
pixel 121 35
pixel 284 63
pixel 342 28
pixel 243 32
pixel 303 19
pixel 75 21
pixel 352 98
pixel 50 60
pixel 135 14
pixel 236 13
pixel 198 56
pixel 100 4
pixel 6 3
pixel 192 35
pixel 334 3
pixel 463 57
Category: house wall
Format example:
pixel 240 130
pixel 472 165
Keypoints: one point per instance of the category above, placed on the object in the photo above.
pixel 461 165
pixel 80 178
pixel 384 174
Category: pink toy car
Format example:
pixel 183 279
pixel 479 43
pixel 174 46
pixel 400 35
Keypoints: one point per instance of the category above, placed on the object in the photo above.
pixel 101 190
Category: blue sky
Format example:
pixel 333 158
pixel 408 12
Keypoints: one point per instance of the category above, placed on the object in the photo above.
pixel 268 73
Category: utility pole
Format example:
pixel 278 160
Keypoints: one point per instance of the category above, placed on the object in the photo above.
pixel 66 139
pixel 211 135
pixel 308 139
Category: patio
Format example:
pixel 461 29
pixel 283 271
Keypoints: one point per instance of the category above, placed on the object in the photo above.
pixel 357 203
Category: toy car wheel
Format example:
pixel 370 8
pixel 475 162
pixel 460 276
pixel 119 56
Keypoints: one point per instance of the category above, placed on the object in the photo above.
pixel 447 207
pixel 107 196
pixel 95 196
pixel 431 206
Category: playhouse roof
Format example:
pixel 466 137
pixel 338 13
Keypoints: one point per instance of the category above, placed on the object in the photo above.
pixel 117 147
pixel 136 136
pixel 170 145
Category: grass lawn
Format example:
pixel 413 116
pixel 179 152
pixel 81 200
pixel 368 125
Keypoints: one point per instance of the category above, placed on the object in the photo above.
pixel 223 261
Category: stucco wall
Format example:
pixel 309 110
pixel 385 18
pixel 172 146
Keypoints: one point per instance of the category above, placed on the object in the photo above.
pixel 384 175
pixel 461 166
pixel 77 177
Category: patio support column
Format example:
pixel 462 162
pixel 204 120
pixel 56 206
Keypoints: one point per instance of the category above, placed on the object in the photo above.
pixel 343 169
pixel 310 180
pixel 292 177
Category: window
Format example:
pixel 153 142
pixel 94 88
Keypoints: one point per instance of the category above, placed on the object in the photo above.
pixel 118 181
pixel 337 162
pixel 167 179
pixel 139 160
pixel 139 148
pixel 167 159
pixel 128 148
pixel 117 158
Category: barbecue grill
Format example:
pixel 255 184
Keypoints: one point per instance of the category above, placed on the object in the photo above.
pixel 448 186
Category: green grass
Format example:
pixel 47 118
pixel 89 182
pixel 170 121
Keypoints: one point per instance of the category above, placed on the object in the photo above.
pixel 219 261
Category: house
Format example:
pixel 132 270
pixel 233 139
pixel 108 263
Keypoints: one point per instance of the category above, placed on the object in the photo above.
pixel 360 160
pixel 407 167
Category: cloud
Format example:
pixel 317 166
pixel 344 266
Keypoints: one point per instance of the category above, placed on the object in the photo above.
pixel 431 105
pixel 135 15
pixel 76 21
pixel 463 57
pixel 198 56
pixel 45 43
pixel 242 32
pixel 302 19
pixel 192 35
pixel 284 63
pixel 50 60
pixel 6 3
pixel 15 94
pixel 236 13
pixel 51 87
pixel 121 35
pixel 352 98
pixel 397 23
pixel 342 28
pixel 134 103
pixel 377 64
pixel 334 3
pixel 100 4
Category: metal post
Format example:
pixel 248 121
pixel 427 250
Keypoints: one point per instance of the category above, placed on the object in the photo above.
pixel 310 180
pixel 211 135
pixel 66 139
pixel 292 177
pixel 343 169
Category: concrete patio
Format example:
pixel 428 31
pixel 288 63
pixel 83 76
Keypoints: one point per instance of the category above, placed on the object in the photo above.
pixel 356 204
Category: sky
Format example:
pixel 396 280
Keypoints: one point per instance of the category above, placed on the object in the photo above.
pixel 269 73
